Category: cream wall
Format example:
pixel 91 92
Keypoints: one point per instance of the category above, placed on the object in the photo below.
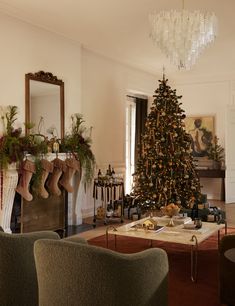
pixel 24 49
pixel 208 97
pixel 105 84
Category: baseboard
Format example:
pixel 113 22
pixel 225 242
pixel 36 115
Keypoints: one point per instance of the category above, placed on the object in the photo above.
pixel 89 212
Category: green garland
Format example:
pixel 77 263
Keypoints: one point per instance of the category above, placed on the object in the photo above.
pixel 10 142
pixel 80 146
pixel 13 145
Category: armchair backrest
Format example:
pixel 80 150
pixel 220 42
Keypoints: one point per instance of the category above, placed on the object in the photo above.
pixel 226 270
pixel 78 274
pixel 18 279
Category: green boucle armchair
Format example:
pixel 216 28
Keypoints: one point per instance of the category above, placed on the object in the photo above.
pixel 72 274
pixel 227 270
pixel 18 279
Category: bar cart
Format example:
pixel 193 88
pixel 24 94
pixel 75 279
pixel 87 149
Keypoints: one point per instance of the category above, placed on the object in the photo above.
pixel 110 192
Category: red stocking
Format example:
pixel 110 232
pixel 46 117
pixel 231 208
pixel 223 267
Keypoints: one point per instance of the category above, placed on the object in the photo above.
pixel 52 183
pixel 47 168
pixel 73 165
pixel 27 170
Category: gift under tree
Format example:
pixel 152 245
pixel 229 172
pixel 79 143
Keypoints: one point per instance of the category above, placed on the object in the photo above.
pixel 165 172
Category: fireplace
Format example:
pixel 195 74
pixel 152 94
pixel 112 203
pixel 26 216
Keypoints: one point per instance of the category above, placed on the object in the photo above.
pixel 40 214
pixel 54 213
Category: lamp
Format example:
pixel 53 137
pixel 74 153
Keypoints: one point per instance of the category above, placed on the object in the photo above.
pixel 182 35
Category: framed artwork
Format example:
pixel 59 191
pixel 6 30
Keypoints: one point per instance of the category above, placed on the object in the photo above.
pixel 201 130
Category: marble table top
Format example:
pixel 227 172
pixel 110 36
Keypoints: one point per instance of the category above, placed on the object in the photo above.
pixel 176 234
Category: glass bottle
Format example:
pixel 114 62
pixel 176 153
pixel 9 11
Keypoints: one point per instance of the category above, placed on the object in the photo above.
pixel 109 171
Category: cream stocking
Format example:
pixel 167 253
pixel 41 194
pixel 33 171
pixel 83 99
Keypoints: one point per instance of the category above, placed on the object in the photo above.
pixel 27 170
pixel 52 183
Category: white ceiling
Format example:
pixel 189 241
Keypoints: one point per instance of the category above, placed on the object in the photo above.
pixel 119 29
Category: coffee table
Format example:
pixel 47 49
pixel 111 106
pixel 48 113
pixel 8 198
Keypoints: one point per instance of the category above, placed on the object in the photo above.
pixel 176 234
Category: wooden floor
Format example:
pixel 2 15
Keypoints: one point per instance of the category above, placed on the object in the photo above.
pixel 100 228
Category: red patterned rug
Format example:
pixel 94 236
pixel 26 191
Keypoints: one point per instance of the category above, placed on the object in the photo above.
pixel 182 291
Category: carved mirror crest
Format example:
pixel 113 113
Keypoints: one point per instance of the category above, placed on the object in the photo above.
pixel 44 103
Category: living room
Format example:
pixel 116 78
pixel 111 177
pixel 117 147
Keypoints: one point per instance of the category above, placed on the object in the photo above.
pixel 102 52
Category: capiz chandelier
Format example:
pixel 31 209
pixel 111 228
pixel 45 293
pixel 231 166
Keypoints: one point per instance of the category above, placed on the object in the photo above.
pixel 182 35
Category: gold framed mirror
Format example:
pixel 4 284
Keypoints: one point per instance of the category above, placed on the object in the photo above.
pixel 44 104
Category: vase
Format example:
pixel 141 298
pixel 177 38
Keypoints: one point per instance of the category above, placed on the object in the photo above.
pixel 8 183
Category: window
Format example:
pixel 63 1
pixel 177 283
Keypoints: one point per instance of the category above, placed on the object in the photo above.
pixel 130 142
pixel 136 113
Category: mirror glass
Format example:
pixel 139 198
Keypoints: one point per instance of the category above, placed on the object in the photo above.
pixel 45 104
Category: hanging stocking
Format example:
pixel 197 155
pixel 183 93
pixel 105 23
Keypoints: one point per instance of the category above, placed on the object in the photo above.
pixel 27 170
pixel 52 183
pixel 47 167
pixel 73 165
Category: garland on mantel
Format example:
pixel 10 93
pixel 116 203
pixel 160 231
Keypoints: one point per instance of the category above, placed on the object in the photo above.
pixel 14 147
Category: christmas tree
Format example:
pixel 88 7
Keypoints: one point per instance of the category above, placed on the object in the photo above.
pixel 165 171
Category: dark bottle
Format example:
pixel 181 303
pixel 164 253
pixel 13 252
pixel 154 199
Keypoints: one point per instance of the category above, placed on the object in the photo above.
pixel 113 172
pixel 194 213
pixel 109 171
